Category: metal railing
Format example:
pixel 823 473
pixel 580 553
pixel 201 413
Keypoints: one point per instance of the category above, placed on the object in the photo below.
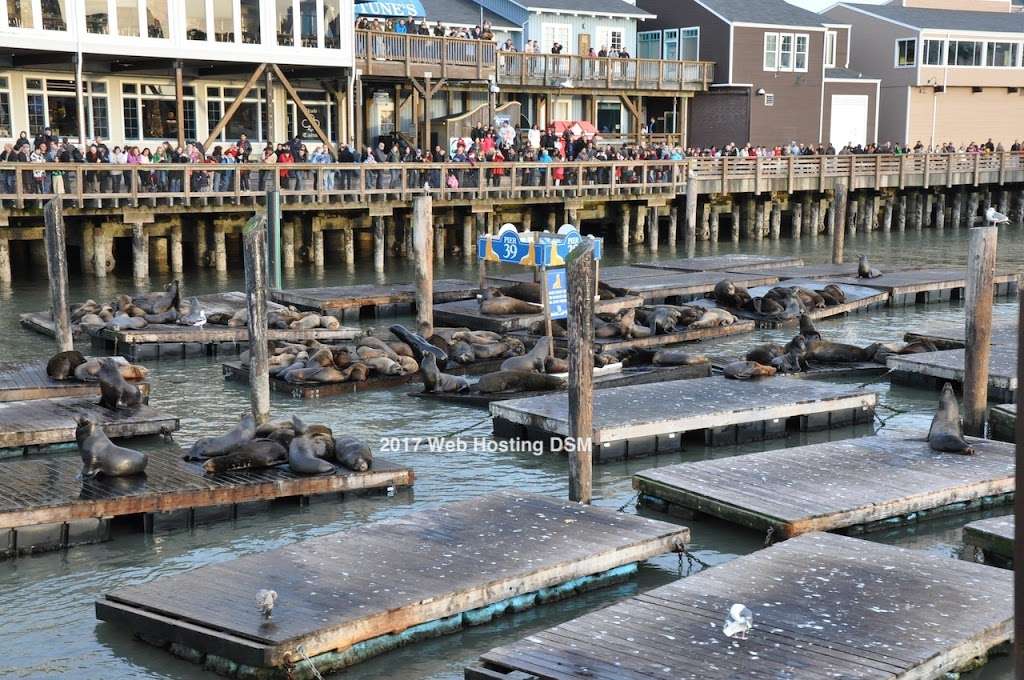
pixel 103 185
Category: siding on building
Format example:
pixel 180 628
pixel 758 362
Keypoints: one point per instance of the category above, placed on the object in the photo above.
pixel 719 117
pixel 962 116
pixel 590 25
pixel 714 33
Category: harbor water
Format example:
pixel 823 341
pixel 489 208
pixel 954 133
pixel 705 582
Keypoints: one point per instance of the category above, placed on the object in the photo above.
pixel 47 624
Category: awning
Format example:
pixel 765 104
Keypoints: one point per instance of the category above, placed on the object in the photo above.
pixel 405 8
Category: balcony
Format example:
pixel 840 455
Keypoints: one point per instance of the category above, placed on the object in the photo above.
pixel 413 56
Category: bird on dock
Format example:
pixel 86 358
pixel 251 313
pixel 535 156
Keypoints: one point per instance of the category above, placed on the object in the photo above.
pixel 265 600
pixel 196 314
pixel 739 622
pixel 994 217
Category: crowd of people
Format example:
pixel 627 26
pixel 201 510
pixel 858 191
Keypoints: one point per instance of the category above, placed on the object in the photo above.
pixel 483 144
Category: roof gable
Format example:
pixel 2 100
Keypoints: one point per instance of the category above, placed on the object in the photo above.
pixel 614 7
pixel 944 19
pixel 770 12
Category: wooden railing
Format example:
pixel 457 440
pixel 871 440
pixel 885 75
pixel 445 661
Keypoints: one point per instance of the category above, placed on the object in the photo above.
pixel 28 185
pixel 424 50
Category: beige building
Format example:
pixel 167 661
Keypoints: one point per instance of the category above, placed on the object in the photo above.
pixel 950 70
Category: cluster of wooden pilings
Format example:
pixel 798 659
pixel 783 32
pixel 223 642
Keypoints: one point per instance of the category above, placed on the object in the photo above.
pixel 168 243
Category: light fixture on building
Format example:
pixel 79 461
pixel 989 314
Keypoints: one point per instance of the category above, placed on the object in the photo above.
pixel 760 92
pixel 1012 90
pixel 938 89
pixel 976 89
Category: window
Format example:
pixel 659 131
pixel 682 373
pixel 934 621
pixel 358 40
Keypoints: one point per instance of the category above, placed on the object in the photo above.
pixel 248 119
pixel 332 24
pixel 96 18
pixel 250 21
pixel 771 51
pixel 964 53
pixel 933 52
pixel 831 38
pixel 554 33
pixel 648 45
pixel 195 19
pixel 19 13
pixel 5 109
pixel 800 59
pixel 608 39
pixel 224 20
pixel 54 13
pixel 52 104
pixel 785 52
pixel 128 18
pixel 309 23
pixel 150 111
pixel 321 106
pixel 906 53
pixel 689 44
pixel 1002 54
pixel 285 23
pixel 671 45
pixel 156 18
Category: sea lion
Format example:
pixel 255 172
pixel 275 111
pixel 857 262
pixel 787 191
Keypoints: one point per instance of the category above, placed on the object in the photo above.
pixel 478 337
pixel 258 453
pixel 556 365
pixel 402 349
pixel 461 353
pixel 864 269
pixel 745 370
pixel 169 299
pixel 127 306
pixel 115 391
pixel 833 295
pixel 357 372
pixel 558 330
pixel 353 453
pixel 342 358
pixel 122 322
pixel 794 359
pixel 100 456
pixel 713 318
pixel 168 317
pixel 825 352
pixel 62 365
pixel 377 344
pixel 437 382
pixel 497 350
pixel 766 353
pixel 408 365
pixel 302 457
pixel 239 319
pixel 662 320
pixel 728 294
pixel 810 298
pixel 306 323
pixel 91 320
pixel 518 381
pixel 946 433
pixel 493 303
pixel 767 306
pixel 79 311
pixel 385 366
pixel 532 361
pixel 530 292
pixel 677 357
pixel 807 329
pixel 209 447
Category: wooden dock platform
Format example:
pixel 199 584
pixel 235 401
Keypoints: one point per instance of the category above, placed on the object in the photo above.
pixel 686 335
pixel 235 371
pixel 466 313
pixel 1003 421
pixel 647 419
pixel 44 506
pixel 823 606
pixel 24 381
pixel 950 335
pixel 641 375
pixel 33 426
pixel 369 296
pixel 345 597
pixel 932 369
pixel 816 371
pixel 42 323
pixel 811 271
pixel 930 285
pixel 993 539
pixel 854 485
pixel 721 263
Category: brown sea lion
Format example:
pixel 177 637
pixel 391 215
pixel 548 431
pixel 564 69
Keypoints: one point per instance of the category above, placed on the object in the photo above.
pixel 435 381
pixel 302 458
pixel 530 292
pixel 353 453
pixel 677 357
pixel 478 337
pixel 833 295
pixel 100 456
pixel 377 344
pixel 493 303
pixel 461 353
pixel 402 349
pixel 258 453
pixel 810 298
pixel 497 350
pixel 127 306
pixel 766 353
pixel 532 361
pixel 357 372
pixel 115 391
pixel 167 300
pixel 794 359
pixel 946 433
pixel 728 294
pixel 518 381
pixel 713 318
pixel 745 370
pixel 208 447
pixel 384 366
pixel 556 365
pixel 766 306
pixel 62 365
pixel 824 352
pixel 865 270
pixel 807 329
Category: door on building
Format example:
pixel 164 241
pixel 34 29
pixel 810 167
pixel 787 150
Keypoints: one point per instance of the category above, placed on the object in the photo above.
pixel 849 123
pixel 584 44
pixel 609 117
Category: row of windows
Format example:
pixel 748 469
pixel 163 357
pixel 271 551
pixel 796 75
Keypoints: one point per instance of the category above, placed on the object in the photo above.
pixel 297 22
pixel 670 44
pixel 786 51
pixel 958 53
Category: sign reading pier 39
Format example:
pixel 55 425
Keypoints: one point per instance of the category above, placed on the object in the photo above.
pixel 568 239
pixel 541 250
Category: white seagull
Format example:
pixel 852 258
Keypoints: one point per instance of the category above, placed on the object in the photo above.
pixel 739 622
pixel 994 217
pixel 265 600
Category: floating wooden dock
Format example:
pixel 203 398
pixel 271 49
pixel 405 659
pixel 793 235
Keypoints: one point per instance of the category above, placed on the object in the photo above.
pixel 641 375
pixel 854 485
pixel 812 271
pixel 817 371
pixel 32 426
pixel 824 606
pixel 932 369
pixel 654 341
pixel 466 313
pixel 24 381
pixel 647 419
pixel 950 335
pixel 993 538
pixel 345 597
pixel 235 371
pixel 930 285
pixel 367 297
pixel 44 506
pixel 721 263
pixel 1003 421
pixel 42 323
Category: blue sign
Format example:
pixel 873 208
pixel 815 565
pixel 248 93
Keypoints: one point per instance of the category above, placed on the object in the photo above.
pixel 558 293
pixel 405 8
pixel 570 238
pixel 508 247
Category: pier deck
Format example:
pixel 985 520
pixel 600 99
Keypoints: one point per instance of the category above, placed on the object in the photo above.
pixel 950 335
pixel 31 426
pixel 235 371
pixel 345 597
pixel 646 419
pixel 812 271
pixel 994 538
pixel 932 369
pixel 467 313
pixel 38 495
pixel 336 299
pixel 651 342
pixel 852 485
pixel 824 606
pixel 930 285
pixel 24 381
pixel 1003 420
pixel 721 263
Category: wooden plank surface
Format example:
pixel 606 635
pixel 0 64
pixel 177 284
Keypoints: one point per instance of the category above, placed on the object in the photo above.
pixel 737 263
pixel 923 280
pixel 23 381
pixel 824 606
pixel 858 298
pixel 685 406
pixel 384 577
pixel 833 485
pixel 993 535
pixel 467 313
pixel 234 370
pixel 1003 420
pixel 45 422
pixel 686 335
pixel 811 271
pixel 45 490
pixel 339 298
pixel 949 365
pixel 950 334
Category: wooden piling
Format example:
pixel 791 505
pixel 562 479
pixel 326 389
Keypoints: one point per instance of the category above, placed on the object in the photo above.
pixel 691 214
pixel 5 260
pixel 177 261
pixel 714 222
pixel 140 252
pixel 839 230
pixel 957 209
pixel 749 219
pixel 640 223
pixel 220 248
pixel 901 214
pixel 887 214
pixel 775 223
pixel 200 243
pixel 929 210
pixel 705 222
pixel 378 243
pixel 440 239
pixel 876 207
pixel 274 265
pixel 254 252
pixel 830 217
pixel 851 215
pixel 468 243
pixel 624 224
pixel 422 240
pixel 288 245
pixel 581 273
pixel 317 235
pixel 797 225
pixel 654 228
pixel 972 209
pixel 552 220
pixel 815 227
pixel 919 212
pixel 940 212
pixel 57 270
pixel 99 240
pixel 759 219
pixel 673 225
pixel 348 245
pixel 981 263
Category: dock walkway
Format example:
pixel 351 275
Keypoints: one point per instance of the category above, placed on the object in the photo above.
pixel 950 335
pixel 365 297
pixel 824 606
pixel 647 419
pixel 721 263
pixel 930 285
pixel 932 369
pixel 853 485
pixel 25 381
pixel 466 313
pixel 345 597
pixel 993 537
pixel 1003 421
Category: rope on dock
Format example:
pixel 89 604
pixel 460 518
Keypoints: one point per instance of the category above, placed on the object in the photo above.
pixel 877 380
pixel 467 428
pixel 768 536
pixel 632 501
pixel 305 657
pixel 690 560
